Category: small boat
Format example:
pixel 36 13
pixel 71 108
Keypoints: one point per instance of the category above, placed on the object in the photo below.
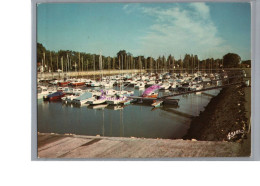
pixel 108 84
pixel 68 90
pixel 102 106
pixel 77 83
pixel 115 100
pixel 98 100
pixel 61 89
pixel 133 82
pixel 54 96
pixel 140 85
pixel 54 82
pixel 77 91
pixel 126 93
pixel 64 83
pixel 95 84
pixel 83 98
pixel 150 83
pixel 219 83
pixel 165 86
pixel 199 87
pixel 196 87
pixel 69 98
pixel 174 85
pixel 157 103
pixel 111 92
pixel 150 92
pixel 151 95
pixel 206 79
pixel 127 101
pixel 44 91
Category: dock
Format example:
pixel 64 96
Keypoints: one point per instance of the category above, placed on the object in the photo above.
pixel 95 147
pixel 47 75
pixel 207 94
pixel 162 100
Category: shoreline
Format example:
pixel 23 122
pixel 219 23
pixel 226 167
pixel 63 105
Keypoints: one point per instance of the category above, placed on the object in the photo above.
pixel 225 113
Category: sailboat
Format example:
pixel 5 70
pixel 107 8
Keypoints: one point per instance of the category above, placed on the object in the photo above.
pixel 98 83
pixel 150 92
pixel 99 99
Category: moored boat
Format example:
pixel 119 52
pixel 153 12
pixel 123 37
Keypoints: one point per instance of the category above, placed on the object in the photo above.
pixel 140 85
pixel 64 83
pixel 98 100
pixel 127 101
pixel 115 100
pixel 85 97
pixel 157 103
pixel 77 83
pixel 150 92
pixel 151 95
pixel 44 91
pixel 54 96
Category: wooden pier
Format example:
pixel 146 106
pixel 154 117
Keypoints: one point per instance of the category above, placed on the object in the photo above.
pixel 205 89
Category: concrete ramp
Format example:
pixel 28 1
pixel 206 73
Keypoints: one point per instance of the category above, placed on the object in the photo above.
pixel 76 146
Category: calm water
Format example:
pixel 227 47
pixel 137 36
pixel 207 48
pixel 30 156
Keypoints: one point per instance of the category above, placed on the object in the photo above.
pixel 135 120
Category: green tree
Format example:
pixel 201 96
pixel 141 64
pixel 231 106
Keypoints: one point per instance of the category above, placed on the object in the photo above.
pixel 121 58
pixel 40 50
pixel 231 60
pixel 246 63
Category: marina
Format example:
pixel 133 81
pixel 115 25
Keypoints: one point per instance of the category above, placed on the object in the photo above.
pixel 125 111
pixel 156 75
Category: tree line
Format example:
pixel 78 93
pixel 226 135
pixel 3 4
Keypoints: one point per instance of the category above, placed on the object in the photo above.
pixel 67 60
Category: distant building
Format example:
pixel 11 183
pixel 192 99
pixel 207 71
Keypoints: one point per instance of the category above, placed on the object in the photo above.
pixel 40 67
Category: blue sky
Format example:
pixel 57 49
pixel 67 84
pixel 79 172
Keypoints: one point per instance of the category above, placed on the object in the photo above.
pixel 149 29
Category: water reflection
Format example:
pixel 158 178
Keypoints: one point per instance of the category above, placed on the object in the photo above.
pixel 138 120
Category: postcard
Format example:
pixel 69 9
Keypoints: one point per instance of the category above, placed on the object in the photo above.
pixel 143 80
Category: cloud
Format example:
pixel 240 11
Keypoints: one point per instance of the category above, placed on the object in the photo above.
pixel 131 7
pixel 125 6
pixel 202 9
pixel 181 29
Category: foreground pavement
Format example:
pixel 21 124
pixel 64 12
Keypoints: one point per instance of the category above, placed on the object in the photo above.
pixel 76 146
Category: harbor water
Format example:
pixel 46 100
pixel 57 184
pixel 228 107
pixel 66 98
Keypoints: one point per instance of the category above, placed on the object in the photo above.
pixel 134 120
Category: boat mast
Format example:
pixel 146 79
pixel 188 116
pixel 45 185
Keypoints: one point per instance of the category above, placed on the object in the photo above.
pixel 62 64
pixel 198 65
pixel 100 65
pixel 121 74
pixel 51 63
pixel 67 66
pixel 181 65
pixel 44 61
pixel 42 65
pixel 57 63
pixel 94 66
pixel 192 64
